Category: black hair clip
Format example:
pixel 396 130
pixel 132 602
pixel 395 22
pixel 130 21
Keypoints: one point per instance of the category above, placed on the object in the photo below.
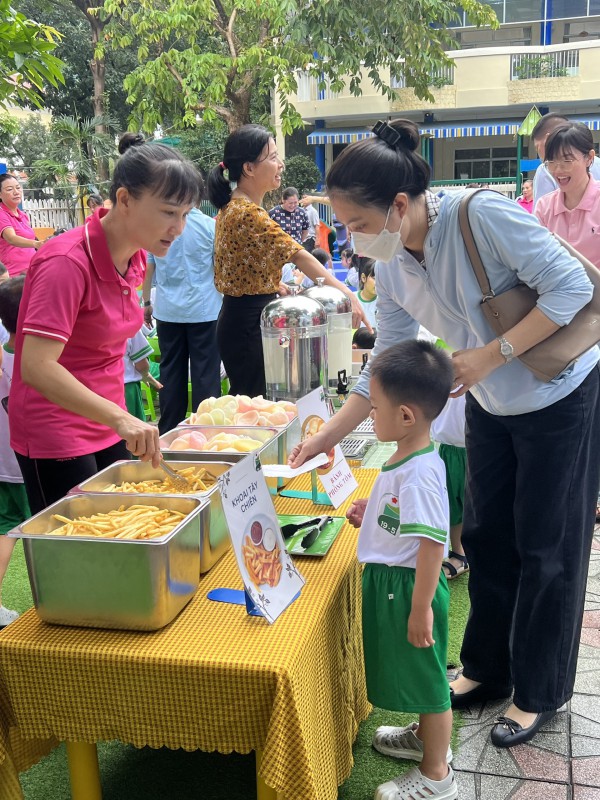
pixel 387 133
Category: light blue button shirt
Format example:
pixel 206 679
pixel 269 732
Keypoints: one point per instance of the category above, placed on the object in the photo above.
pixel 446 298
pixel 185 278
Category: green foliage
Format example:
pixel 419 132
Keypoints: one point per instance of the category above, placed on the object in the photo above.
pixel 209 58
pixel 27 62
pixel 301 172
pixel 9 126
pixel 75 97
pixel 204 144
pixel 539 67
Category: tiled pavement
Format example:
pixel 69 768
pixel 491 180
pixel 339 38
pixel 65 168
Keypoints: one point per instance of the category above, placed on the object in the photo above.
pixel 563 761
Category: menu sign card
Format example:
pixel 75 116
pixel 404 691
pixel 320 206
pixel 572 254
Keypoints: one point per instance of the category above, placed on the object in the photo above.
pixel 336 476
pixel 269 575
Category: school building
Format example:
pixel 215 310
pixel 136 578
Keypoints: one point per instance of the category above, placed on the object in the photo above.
pixel 545 53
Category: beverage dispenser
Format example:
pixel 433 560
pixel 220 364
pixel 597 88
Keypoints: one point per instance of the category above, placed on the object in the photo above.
pixel 339 338
pixel 294 337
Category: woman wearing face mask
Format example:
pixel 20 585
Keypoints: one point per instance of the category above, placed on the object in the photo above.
pixel 528 557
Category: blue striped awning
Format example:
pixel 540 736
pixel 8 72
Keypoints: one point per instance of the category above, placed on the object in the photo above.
pixel 337 137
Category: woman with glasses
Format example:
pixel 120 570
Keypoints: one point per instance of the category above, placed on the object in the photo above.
pixel 573 210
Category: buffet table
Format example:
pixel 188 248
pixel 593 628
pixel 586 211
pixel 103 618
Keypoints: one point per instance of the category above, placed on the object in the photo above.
pixel 214 679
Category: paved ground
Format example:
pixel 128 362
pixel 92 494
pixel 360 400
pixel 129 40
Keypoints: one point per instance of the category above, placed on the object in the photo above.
pixel 563 761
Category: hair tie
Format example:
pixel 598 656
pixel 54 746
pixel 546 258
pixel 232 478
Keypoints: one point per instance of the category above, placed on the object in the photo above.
pixel 222 165
pixel 387 133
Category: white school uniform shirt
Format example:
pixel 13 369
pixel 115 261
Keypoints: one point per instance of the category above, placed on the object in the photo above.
pixel 449 426
pixel 409 502
pixel 9 466
pixel 136 349
pixel 370 309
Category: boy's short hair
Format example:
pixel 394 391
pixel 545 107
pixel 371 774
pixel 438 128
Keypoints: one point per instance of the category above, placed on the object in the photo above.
pixel 363 339
pixel 291 191
pixel 547 124
pixel 11 292
pixel 321 255
pixel 415 372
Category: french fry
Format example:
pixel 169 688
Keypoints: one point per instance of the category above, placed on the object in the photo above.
pixel 262 566
pixel 135 522
pixel 200 480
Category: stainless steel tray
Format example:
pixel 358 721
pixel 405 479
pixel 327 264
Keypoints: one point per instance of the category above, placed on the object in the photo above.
pixel 265 435
pixel 112 583
pixel 214 532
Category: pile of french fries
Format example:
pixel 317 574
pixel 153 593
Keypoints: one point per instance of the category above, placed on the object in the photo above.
pixel 264 566
pixel 134 522
pixel 199 480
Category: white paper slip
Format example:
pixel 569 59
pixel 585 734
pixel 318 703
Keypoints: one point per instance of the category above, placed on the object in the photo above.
pixel 283 471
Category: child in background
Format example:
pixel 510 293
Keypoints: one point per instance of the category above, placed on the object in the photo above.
pixel 363 340
pixel 367 293
pixel 402 541
pixel 14 507
pixel 449 431
pixel 350 262
pixel 137 369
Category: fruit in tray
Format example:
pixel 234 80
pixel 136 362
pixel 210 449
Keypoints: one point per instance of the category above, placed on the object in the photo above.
pixel 243 410
pixel 230 442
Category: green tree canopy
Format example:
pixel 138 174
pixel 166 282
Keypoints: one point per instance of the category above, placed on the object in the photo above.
pixel 27 62
pixel 208 57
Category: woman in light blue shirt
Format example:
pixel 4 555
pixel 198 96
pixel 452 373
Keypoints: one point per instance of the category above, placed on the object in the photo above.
pixel 533 468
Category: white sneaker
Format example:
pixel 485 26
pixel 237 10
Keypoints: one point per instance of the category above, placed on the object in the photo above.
pixel 401 742
pixel 414 786
pixel 7 616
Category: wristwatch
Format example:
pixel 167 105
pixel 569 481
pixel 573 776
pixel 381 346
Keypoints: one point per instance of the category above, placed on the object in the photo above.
pixel 506 349
pixel 147 303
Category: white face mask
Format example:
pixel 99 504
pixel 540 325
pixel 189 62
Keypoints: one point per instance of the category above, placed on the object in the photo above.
pixel 381 246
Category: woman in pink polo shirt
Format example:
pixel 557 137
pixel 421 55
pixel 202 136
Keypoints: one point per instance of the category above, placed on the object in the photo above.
pixel 67 405
pixel 573 210
pixel 17 238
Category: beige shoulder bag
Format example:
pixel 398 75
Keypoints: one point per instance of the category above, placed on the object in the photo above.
pixel 503 311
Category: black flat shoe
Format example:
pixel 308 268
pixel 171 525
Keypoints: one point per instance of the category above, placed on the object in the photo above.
pixel 481 693
pixel 508 733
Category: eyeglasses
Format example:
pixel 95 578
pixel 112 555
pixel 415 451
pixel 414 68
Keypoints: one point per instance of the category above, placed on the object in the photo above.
pixel 561 162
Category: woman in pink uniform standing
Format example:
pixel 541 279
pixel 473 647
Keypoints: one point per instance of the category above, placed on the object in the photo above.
pixel 67 407
pixel 18 244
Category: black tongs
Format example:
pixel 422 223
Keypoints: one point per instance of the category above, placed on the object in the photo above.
pixel 293 527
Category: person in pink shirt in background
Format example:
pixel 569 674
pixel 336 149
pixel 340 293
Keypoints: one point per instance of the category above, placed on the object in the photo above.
pixel 573 210
pixel 67 411
pixel 525 200
pixel 18 244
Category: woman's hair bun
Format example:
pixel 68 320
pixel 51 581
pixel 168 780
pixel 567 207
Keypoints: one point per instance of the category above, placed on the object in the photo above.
pixel 130 140
pixel 408 132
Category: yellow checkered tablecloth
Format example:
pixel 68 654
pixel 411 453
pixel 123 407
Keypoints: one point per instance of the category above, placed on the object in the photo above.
pixel 214 679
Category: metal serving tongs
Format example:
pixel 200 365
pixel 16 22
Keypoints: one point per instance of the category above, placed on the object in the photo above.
pixel 180 483
pixel 292 528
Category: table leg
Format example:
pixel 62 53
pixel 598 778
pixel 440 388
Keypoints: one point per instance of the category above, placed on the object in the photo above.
pixel 84 771
pixel 263 792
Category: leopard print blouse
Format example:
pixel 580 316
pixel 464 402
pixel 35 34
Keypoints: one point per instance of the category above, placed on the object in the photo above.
pixel 250 249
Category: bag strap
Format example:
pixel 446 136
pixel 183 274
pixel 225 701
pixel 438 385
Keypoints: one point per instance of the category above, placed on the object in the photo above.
pixel 469 240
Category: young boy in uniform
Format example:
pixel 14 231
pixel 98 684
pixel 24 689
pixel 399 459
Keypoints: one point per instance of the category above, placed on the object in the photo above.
pixel 402 542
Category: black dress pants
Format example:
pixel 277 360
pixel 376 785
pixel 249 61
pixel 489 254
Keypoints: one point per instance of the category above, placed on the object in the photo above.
pixel 187 350
pixel 240 343
pixel 532 483
pixel 48 479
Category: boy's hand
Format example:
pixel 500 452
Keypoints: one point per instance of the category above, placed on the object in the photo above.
pixel 151 381
pixel 356 512
pixel 420 627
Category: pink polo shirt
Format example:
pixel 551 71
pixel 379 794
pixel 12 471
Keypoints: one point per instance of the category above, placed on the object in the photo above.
pixel 580 227
pixel 15 259
pixel 74 295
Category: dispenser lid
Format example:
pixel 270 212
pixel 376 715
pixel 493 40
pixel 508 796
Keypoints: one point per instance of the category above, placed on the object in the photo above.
pixel 333 300
pixel 293 311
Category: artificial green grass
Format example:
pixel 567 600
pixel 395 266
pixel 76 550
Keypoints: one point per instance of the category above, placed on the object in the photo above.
pixel 145 774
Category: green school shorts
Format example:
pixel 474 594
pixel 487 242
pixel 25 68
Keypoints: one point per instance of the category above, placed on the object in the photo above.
pixel 401 677
pixel 14 507
pixel 455 460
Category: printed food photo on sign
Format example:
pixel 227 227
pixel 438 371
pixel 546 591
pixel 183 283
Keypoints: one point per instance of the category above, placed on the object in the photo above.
pixel 312 425
pixel 261 553
pixel 388 517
